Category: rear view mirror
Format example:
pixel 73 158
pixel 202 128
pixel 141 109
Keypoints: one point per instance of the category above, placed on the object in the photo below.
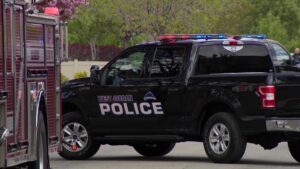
pixel 95 73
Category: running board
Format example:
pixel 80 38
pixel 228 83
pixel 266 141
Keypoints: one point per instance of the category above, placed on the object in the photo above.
pixel 3 134
pixel 138 138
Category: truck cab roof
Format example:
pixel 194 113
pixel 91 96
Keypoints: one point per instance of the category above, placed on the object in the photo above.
pixel 172 39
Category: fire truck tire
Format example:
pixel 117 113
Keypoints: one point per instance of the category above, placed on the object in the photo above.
pixel 295 149
pixel 154 150
pixel 42 161
pixel 77 141
pixel 222 139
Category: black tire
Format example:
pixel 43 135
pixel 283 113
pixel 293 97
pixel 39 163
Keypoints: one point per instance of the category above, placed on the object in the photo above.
pixel 42 161
pixel 231 143
pixel 91 147
pixel 295 149
pixel 154 150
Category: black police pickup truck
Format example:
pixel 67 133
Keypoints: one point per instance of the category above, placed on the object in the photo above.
pixel 222 91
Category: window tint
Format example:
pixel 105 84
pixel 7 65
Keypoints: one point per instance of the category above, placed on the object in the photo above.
pixel 129 66
pixel 168 62
pixel 217 59
pixel 281 56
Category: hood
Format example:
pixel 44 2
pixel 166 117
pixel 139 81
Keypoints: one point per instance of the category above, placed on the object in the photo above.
pixel 76 83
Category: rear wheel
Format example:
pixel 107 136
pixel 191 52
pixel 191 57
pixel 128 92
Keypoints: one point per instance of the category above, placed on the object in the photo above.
pixel 154 150
pixel 42 161
pixel 294 147
pixel 223 141
pixel 77 141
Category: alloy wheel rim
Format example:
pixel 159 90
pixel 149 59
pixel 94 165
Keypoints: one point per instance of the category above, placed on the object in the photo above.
pixel 75 137
pixel 219 138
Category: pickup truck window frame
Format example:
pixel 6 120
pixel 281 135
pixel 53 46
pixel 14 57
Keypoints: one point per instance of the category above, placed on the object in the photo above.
pixel 183 65
pixel 273 54
pixel 232 73
pixel 125 52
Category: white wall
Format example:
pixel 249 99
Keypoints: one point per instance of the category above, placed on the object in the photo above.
pixel 69 68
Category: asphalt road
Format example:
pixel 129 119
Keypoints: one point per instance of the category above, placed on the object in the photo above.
pixel 184 156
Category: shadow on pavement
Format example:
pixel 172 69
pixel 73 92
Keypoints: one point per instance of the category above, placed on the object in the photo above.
pixel 187 159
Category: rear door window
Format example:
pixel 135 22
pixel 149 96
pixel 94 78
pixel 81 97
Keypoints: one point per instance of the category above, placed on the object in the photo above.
pixel 168 61
pixel 247 58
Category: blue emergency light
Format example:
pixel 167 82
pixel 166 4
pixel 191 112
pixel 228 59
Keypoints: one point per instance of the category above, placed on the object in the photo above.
pixel 174 37
pixel 258 36
pixel 210 36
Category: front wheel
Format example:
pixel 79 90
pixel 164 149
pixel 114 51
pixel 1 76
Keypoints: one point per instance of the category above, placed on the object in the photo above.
pixel 223 141
pixel 78 143
pixel 42 161
pixel 294 147
pixel 154 150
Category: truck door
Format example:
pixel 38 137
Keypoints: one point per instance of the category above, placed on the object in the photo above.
pixel 14 79
pixel 113 105
pixel 165 86
pixel 43 70
pixel 2 88
pixel 287 82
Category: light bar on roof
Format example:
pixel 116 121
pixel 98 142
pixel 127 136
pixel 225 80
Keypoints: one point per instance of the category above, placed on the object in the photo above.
pixel 258 36
pixel 191 36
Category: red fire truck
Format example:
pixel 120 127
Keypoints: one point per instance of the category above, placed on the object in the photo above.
pixel 30 111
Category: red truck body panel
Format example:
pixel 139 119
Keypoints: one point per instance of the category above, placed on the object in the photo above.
pixel 29 72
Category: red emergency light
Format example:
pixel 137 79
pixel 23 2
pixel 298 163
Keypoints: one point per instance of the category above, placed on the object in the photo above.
pixel 232 42
pixel 51 11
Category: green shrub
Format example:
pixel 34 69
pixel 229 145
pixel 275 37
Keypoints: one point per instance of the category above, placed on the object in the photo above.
pixel 79 75
pixel 64 78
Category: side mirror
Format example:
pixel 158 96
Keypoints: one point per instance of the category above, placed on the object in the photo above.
pixel 95 73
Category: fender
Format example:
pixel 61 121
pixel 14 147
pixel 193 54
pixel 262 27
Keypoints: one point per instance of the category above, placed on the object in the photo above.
pixel 221 97
pixel 76 106
pixel 40 97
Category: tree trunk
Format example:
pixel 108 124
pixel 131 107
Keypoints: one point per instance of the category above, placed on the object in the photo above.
pixel 93 49
pixel 125 43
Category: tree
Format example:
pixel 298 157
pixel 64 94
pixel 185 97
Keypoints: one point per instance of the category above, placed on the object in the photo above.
pixel 272 26
pixel 91 25
pixel 126 22
pixel 287 13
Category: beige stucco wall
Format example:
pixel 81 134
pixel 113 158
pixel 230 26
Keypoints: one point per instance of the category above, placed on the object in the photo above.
pixel 69 68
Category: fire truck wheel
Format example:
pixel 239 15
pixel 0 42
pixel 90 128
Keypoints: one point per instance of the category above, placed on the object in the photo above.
pixel 154 150
pixel 295 149
pixel 77 141
pixel 222 139
pixel 42 161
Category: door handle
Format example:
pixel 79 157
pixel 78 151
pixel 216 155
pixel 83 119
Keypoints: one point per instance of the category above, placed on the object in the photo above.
pixel 132 90
pixel 173 89
pixel 3 95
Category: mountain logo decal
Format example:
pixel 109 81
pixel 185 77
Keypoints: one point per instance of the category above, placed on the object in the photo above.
pixel 149 96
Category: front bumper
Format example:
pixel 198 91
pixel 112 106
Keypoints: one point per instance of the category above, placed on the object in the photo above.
pixel 3 134
pixel 280 124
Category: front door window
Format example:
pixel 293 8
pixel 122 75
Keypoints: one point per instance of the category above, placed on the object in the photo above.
pixel 130 66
